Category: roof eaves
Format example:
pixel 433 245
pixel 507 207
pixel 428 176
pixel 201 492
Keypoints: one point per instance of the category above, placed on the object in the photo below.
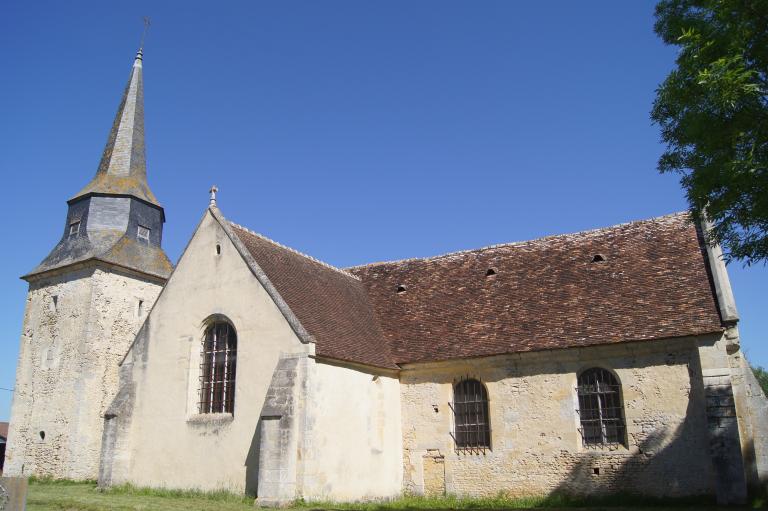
pixel 390 369
pixel 404 363
pixel 80 263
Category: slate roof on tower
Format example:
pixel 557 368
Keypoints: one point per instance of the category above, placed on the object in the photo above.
pixel 123 166
pixel 105 217
pixel 650 281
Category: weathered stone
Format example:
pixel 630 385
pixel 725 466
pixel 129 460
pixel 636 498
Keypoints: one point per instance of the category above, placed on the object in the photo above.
pixel 68 364
pixel 536 447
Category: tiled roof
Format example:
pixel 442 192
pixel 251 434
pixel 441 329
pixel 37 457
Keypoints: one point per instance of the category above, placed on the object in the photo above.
pixel 547 293
pixel 330 303
pixel 651 283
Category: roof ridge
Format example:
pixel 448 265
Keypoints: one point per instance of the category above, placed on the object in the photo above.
pixel 294 251
pixel 514 243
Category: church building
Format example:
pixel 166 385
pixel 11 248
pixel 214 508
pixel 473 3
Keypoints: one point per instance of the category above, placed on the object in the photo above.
pixel 598 362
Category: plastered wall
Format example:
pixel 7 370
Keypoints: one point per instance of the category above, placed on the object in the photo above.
pixel 77 327
pixel 161 440
pixel 536 446
pixel 352 439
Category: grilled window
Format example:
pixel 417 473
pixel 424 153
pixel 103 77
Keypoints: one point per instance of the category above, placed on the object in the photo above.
pixel 472 432
pixel 600 411
pixel 217 369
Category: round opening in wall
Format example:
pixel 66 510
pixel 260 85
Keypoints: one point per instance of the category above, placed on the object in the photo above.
pixel 400 289
pixel 490 272
pixel 42 435
pixel 598 258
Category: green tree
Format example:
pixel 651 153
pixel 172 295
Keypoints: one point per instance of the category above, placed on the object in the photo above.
pixel 713 114
pixel 762 378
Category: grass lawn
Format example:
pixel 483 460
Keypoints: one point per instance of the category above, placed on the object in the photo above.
pixel 69 496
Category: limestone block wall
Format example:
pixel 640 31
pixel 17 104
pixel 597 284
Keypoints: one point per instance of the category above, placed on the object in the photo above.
pixel 351 437
pixel 157 438
pixel 77 327
pixel 724 426
pixel 282 418
pixel 752 411
pixel 536 445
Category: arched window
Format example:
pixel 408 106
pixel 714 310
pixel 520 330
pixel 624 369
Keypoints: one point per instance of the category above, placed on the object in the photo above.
pixel 600 411
pixel 472 429
pixel 217 369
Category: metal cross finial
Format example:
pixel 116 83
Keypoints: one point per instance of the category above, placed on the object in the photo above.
pixel 213 191
pixel 147 23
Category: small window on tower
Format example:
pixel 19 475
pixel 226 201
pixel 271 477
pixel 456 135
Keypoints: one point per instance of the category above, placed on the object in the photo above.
pixel 74 229
pixel 143 233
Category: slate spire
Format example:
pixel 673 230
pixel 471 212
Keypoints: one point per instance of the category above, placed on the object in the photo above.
pixel 123 166
pixel 116 219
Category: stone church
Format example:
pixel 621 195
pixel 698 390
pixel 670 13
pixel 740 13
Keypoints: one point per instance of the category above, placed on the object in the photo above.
pixel 596 362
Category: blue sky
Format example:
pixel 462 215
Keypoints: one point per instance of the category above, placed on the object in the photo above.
pixel 353 131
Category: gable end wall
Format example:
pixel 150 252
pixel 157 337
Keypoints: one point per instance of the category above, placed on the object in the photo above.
pixel 163 429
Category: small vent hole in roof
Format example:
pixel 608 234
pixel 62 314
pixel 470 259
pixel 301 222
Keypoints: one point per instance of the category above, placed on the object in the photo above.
pixel 598 258
pixel 400 289
pixel 490 272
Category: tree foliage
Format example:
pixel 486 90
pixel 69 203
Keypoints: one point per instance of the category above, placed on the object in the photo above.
pixel 762 378
pixel 713 114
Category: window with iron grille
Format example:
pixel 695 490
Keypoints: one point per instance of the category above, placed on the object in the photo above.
pixel 600 411
pixel 472 431
pixel 217 369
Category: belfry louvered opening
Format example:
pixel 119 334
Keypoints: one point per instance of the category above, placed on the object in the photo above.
pixel 472 428
pixel 217 369
pixel 600 410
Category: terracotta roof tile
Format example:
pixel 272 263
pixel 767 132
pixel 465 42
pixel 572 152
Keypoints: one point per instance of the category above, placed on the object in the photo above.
pixel 547 293
pixel 330 303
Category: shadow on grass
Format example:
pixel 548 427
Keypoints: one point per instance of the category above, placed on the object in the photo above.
pixel 500 502
pixel 404 503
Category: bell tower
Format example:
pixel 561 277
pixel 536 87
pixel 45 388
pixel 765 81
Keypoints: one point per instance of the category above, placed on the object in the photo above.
pixel 86 301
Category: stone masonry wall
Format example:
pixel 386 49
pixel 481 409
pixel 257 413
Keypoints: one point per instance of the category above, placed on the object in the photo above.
pixel 536 447
pixel 752 409
pixel 77 327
